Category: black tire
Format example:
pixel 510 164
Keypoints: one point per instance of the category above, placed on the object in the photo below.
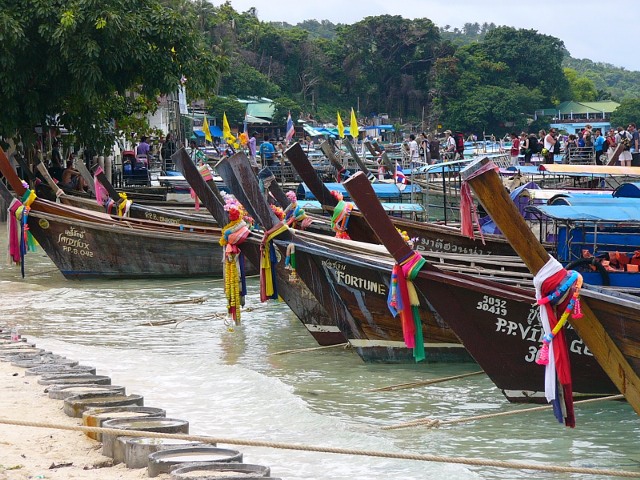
pixel 588 262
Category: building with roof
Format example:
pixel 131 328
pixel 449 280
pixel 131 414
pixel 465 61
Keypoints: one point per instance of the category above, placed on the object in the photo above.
pixel 572 116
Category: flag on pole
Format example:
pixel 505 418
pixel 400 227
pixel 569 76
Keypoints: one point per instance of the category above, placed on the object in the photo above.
pixel 207 131
pixel 400 179
pixel 290 129
pixel 340 127
pixel 226 132
pixel 353 127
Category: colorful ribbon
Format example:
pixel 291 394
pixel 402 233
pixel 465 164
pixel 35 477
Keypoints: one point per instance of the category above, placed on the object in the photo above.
pixel 235 287
pixel 564 288
pixel 468 212
pixel 101 193
pixel 340 219
pixel 124 205
pixel 403 299
pixel 268 283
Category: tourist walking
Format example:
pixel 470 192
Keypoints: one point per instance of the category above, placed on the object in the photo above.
pixel 550 141
pixel 623 137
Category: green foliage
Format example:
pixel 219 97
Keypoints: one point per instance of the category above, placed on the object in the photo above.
pixel 611 82
pixel 628 112
pixel 79 58
pixel 245 81
pixel 582 88
pixel 284 105
pixel 217 106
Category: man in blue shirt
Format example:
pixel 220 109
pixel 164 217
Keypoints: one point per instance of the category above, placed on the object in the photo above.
pixel 267 152
pixel 598 146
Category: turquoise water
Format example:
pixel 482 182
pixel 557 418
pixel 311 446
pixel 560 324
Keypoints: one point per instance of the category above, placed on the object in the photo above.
pixel 229 384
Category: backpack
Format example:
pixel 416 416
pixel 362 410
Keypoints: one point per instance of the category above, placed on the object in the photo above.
pixel 556 147
pixel 459 138
pixel 625 140
pixel 533 144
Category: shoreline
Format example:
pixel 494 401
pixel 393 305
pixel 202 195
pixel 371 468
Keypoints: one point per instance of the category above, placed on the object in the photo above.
pixel 30 453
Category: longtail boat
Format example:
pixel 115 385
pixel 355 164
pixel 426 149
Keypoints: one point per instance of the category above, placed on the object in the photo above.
pixel 304 305
pixel 85 244
pixel 351 279
pixel 110 204
pixel 610 322
pixel 428 236
pixel 496 322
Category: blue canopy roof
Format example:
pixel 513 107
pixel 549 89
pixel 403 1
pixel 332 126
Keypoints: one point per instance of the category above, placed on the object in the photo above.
pixel 214 129
pixel 388 206
pixel 586 213
pixel 383 190
pixel 628 190
pixel 594 201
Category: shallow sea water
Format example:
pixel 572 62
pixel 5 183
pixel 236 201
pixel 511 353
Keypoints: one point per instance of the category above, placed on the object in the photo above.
pixel 229 384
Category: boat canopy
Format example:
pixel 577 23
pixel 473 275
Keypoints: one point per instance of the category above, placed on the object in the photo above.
pixel 442 167
pixel 586 213
pixel 214 129
pixel 534 170
pixel 564 169
pixel 593 200
pixel 628 190
pixel 548 193
pixel 385 191
pixel 314 205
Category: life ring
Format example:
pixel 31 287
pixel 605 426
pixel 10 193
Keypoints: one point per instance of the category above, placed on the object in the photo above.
pixel 589 262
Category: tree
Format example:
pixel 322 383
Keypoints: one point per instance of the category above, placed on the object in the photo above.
pixel 582 89
pixel 282 107
pixel 533 60
pixel 627 112
pixel 80 60
pixel 235 111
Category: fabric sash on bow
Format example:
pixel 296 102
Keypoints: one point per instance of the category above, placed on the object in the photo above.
pixel 558 367
pixel 196 200
pixel 124 205
pixel 340 219
pixel 13 231
pixel 20 239
pixel 206 172
pixel 295 216
pixel 468 212
pixel 268 283
pixel 403 299
pixel 101 193
pixel 235 288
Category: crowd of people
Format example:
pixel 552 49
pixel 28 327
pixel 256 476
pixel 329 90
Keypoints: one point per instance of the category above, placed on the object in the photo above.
pixel 583 147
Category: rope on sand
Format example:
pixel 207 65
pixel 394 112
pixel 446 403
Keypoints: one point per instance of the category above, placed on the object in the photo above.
pixel 311 349
pixel 431 422
pixel 402 386
pixel 321 449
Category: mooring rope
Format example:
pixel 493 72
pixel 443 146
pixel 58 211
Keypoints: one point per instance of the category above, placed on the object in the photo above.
pixel 403 386
pixel 476 462
pixel 432 422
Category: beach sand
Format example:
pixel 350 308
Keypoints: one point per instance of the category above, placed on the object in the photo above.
pixel 33 453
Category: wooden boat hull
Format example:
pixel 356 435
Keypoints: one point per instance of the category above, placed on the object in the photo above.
pixel 356 312
pixel 362 287
pixel 82 249
pixel 501 330
pixel 310 312
pixel 621 321
pixel 156 214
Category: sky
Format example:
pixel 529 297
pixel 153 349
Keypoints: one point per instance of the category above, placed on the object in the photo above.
pixel 587 28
